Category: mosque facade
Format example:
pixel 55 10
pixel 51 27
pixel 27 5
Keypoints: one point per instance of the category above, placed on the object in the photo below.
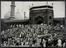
pixel 37 15
pixel 41 14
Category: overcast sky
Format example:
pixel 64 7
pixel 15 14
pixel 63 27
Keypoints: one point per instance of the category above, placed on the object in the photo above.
pixel 21 7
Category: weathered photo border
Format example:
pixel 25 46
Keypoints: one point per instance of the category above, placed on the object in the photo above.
pixel 33 0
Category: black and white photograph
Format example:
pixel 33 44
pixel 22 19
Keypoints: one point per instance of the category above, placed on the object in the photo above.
pixel 33 24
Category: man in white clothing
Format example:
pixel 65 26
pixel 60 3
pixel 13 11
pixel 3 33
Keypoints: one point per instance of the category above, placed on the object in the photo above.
pixel 44 43
pixel 59 43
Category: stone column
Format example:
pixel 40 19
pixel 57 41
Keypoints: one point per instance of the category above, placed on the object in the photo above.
pixel 12 9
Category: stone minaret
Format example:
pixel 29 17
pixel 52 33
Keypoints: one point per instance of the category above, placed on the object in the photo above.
pixel 12 10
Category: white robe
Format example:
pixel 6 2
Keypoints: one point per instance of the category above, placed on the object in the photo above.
pixel 59 43
pixel 63 44
pixel 44 43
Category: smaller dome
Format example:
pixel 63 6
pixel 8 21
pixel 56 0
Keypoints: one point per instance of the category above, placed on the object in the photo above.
pixel 7 15
pixel 17 16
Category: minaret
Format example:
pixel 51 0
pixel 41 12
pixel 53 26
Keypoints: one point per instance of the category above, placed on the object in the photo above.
pixel 12 10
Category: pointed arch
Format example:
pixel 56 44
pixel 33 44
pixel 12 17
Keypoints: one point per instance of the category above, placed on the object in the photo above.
pixel 39 20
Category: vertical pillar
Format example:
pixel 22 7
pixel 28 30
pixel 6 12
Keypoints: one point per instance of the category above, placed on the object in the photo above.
pixel 12 9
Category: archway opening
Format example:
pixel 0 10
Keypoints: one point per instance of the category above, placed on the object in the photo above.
pixel 39 20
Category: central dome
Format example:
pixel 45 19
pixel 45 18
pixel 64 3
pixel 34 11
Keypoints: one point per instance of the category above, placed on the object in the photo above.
pixel 17 16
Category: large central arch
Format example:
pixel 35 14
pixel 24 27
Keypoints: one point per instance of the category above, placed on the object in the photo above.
pixel 39 20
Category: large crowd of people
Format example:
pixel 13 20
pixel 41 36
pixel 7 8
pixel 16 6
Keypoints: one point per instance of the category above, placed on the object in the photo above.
pixel 36 35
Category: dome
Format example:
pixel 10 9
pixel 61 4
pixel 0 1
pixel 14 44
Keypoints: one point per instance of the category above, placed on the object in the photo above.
pixel 7 15
pixel 17 16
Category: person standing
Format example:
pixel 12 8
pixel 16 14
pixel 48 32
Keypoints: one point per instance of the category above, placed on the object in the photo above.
pixel 59 43
pixel 44 43
pixel 63 43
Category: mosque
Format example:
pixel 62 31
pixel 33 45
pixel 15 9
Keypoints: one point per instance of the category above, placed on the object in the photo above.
pixel 37 15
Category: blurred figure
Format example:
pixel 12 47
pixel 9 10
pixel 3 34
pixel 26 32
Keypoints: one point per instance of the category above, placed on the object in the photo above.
pixel 59 42
pixel 30 44
pixel 49 42
pixel 55 41
pixel 5 43
pixel 44 43
pixel 64 44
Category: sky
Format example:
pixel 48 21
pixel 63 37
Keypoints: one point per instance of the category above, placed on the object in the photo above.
pixel 24 6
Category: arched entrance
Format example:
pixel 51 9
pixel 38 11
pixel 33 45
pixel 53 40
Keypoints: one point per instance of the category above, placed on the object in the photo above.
pixel 39 20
